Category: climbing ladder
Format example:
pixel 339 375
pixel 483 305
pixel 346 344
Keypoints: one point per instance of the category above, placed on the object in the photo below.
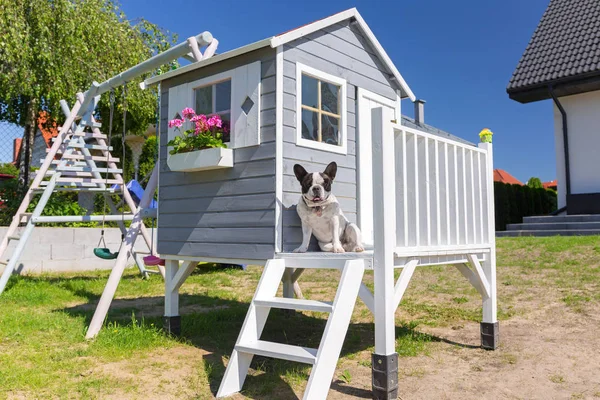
pixel 323 359
pixel 71 165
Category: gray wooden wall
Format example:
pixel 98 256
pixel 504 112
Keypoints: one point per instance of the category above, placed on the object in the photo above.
pixel 342 51
pixel 228 213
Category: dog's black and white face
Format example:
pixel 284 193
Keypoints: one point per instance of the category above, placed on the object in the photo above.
pixel 316 186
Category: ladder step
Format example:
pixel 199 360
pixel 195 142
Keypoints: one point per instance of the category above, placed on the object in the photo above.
pixel 80 189
pixel 24 217
pixel 278 350
pixel 90 146
pixel 81 158
pixel 88 169
pixel 2 262
pixel 12 237
pixel 71 174
pixel 296 304
pixel 85 182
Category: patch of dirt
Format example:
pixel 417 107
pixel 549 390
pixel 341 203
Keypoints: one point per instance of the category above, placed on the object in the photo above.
pixel 552 354
pixel 177 373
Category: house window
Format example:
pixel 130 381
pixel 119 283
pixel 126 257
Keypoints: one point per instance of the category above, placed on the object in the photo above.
pixel 215 99
pixel 321 110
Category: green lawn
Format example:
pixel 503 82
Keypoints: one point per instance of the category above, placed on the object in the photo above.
pixel 43 353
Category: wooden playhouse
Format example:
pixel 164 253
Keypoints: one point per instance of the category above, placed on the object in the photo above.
pixel 326 91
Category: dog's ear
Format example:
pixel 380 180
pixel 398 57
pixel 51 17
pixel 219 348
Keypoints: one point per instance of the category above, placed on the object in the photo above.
pixel 331 170
pixel 300 172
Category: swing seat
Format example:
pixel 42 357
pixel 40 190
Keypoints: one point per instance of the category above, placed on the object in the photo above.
pixel 152 261
pixel 105 254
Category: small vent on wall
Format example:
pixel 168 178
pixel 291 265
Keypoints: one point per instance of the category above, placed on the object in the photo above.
pixel 247 105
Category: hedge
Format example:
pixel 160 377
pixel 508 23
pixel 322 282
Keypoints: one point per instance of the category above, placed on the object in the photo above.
pixel 513 202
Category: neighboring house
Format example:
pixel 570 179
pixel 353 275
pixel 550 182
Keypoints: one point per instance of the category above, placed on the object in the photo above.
pixel 46 131
pixel 550 184
pixel 502 176
pixel 562 62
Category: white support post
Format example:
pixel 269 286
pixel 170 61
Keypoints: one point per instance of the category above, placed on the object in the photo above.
pixel 489 326
pixel 385 358
pixel 288 284
pixel 172 319
pixel 172 291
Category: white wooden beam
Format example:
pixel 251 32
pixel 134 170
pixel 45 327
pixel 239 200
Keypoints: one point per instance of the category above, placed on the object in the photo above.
pixel 367 297
pixel 480 274
pixel 194 48
pixel 403 280
pixel 211 49
pixel 185 270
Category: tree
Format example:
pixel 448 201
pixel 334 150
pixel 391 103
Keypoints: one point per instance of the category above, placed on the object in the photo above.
pixel 50 50
pixel 535 183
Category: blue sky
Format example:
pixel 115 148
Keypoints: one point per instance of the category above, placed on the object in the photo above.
pixel 456 55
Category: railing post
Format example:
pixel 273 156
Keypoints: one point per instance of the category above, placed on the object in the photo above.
pixel 385 358
pixel 489 325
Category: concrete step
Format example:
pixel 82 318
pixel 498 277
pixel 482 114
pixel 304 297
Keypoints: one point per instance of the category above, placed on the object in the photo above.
pixel 561 218
pixel 553 226
pixel 586 232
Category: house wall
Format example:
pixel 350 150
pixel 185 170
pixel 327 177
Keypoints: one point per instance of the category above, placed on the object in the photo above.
pixel 342 51
pixel 583 115
pixel 227 213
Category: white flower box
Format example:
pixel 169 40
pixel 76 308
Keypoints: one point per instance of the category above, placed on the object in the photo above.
pixel 201 160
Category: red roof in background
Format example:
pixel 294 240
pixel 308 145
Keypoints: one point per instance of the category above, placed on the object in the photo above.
pixel 501 175
pixel 550 184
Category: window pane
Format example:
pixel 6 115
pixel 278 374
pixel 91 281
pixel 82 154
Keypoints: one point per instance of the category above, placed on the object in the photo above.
pixel 330 127
pixel 329 97
pixel 310 125
pixel 310 91
pixel 204 100
pixel 223 96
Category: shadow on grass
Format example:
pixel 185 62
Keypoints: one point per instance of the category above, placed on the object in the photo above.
pixel 212 324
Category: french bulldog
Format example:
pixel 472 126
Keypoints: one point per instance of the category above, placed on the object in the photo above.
pixel 322 215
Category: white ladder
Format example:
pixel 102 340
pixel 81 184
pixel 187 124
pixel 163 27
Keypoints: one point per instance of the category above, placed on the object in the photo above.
pixel 324 359
pixel 76 170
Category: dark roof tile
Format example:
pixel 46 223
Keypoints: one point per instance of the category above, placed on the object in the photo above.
pixel 564 44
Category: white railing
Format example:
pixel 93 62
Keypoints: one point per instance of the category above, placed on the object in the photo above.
pixel 443 189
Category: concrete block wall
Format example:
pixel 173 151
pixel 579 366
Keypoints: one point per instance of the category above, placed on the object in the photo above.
pixel 66 249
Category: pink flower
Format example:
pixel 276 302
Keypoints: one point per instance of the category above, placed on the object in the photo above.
pixel 225 127
pixel 175 123
pixel 215 121
pixel 188 113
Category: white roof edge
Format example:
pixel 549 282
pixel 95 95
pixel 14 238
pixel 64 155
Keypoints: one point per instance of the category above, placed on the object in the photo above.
pixel 292 35
pixel 297 33
pixel 212 60
pixel 280 40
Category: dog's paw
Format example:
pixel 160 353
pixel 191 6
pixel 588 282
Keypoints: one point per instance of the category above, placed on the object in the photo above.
pixel 359 249
pixel 301 249
pixel 338 249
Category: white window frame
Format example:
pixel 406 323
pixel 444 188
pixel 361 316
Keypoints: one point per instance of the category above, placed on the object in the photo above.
pixel 213 81
pixel 214 97
pixel 190 94
pixel 342 148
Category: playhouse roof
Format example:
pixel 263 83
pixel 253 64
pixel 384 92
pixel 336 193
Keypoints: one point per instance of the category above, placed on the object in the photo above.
pixel 563 51
pixel 286 37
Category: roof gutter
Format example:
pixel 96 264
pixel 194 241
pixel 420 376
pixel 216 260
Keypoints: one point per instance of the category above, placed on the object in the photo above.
pixel 565 129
